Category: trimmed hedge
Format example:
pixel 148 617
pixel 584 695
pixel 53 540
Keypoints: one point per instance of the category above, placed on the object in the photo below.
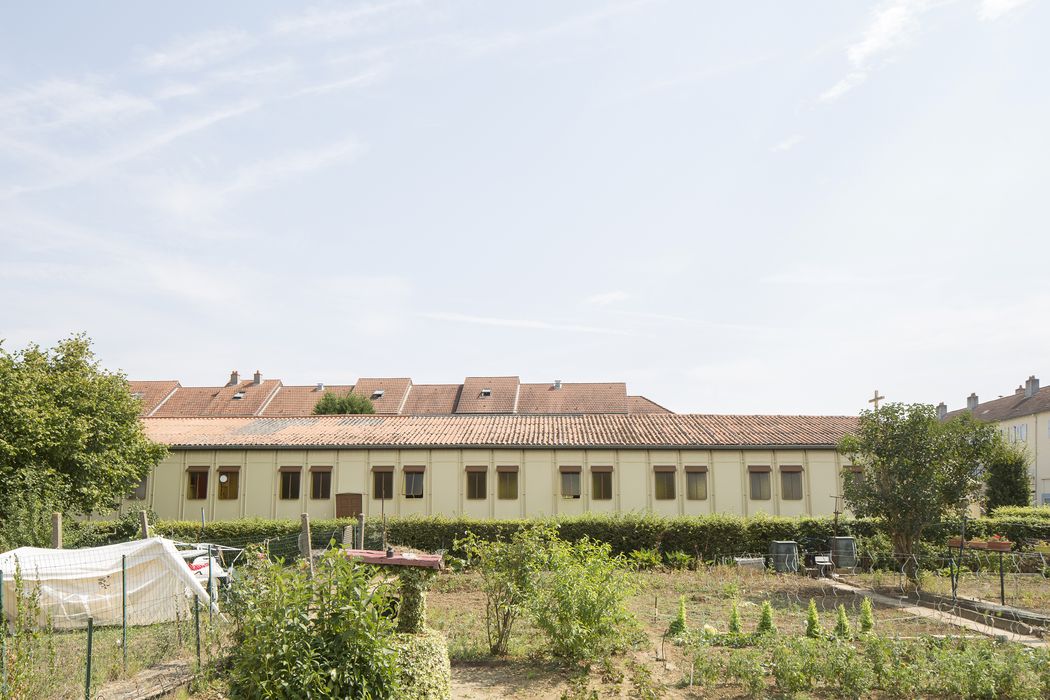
pixel 1022 512
pixel 706 536
pixel 425 670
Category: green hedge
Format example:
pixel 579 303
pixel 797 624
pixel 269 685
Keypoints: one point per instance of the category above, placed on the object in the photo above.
pixel 707 536
pixel 1022 512
pixel 425 670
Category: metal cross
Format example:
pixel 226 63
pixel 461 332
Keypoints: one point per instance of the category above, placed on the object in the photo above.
pixel 875 399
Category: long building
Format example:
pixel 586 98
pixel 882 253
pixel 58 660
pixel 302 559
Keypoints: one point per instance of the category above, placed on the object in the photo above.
pixel 494 466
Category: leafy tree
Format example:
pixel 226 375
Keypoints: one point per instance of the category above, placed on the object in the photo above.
pixel 1008 481
pixel 332 403
pixel 915 469
pixel 70 438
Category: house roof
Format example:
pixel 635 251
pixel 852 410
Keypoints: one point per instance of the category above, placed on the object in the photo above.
pixel 399 396
pixel 1010 407
pixel 590 430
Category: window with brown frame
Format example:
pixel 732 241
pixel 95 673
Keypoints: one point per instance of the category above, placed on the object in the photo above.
pixel 696 486
pixel 413 484
pixel 791 483
pixel 197 484
pixel 758 478
pixel 601 485
pixel 229 483
pixel 383 485
pixel 321 484
pixel 477 485
pixel 507 483
pixel 570 483
pixel 290 483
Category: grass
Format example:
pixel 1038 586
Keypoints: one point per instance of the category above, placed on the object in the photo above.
pixel 1030 591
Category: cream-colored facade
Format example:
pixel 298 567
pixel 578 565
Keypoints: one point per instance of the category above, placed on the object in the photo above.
pixel 787 482
pixel 1032 432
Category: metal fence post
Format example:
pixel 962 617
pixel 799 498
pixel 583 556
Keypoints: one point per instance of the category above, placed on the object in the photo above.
pixel 124 608
pixel 197 624
pixel 211 582
pixel 3 644
pixel 56 531
pixel 87 677
pixel 1002 582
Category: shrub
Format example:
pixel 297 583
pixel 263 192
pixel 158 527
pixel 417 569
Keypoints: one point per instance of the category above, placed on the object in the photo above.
pixel 734 620
pixel 867 619
pixel 745 667
pixel 813 630
pixel 678 625
pixel 580 602
pixel 644 559
pixel 424 670
pixel 509 570
pixel 793 667
pixel 325 637
pixel 765 623
pixel 842 626
pixel 679 560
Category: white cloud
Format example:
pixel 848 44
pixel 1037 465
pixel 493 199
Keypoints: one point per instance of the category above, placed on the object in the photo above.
pixel 333 24
pixel 521 323
pixel 56 103
pixel 843 86
pixel 891 26
pixel 605 298
pixel 992 10
pixel 266 173
pixel 199 51
pixel 787 144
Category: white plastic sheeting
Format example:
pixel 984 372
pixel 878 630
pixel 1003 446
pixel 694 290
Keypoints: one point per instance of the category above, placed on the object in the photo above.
pixel 75 584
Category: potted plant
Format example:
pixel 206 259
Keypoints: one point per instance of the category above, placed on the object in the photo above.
pixel 955 542
pixel 977 544
pixel 998 543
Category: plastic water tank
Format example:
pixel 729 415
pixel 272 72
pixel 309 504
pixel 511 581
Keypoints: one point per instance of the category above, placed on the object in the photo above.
pixel 785 556
pixel 843 552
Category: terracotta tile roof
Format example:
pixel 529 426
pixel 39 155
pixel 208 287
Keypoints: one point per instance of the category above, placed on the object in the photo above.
pixel 607 430
pixel 298 400
pixel 640 404
pixel 432 399
pixel 218 401
pixel 150 394
pixel 394 390
pixel 1010 407
pixel 609 397
pixel 502 396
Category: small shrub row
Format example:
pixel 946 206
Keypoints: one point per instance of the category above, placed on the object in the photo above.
pixel 649 539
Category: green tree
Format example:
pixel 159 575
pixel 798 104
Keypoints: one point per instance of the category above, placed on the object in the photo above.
pixel 70 438
pixel 914 469
pixel 1007 475
pixel 332 403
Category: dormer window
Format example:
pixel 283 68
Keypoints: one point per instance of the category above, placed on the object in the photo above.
pixel 238 396
pixel 485 393
pixel 377 394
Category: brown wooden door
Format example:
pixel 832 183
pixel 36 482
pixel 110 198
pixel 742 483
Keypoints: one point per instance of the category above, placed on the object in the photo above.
pixel 347 505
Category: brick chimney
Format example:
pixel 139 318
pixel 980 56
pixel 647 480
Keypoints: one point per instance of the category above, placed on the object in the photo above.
pixel 1031 387
pixel 257 379
pixel 942 411
pixel 235 378
pixel 971 401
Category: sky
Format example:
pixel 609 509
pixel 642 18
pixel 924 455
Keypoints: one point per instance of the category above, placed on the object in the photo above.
pixel 760 207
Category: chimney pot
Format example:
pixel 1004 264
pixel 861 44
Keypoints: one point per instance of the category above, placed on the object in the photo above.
pixel 235 378
pixel 1031 387
pixel 319 387
pixel 1019 389
pixel 971 401
pixel 942 411
pixel 257 379
pixel 557 384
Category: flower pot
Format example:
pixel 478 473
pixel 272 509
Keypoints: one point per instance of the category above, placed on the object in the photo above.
pixel 955 542
pixel 977 544
pixel 999 546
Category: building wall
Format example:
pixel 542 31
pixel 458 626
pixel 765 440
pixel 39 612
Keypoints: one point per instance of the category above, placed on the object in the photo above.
pixel 1033 433
pixel 539 482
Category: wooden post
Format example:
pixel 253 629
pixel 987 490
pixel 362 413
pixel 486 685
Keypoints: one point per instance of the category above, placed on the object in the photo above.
pixel 144 522
pixel 360 539
pixel 304 542
pixel 56 531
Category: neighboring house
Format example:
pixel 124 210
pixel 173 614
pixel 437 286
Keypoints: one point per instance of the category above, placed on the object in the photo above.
pixel 495 464
pixel 1023 418
pixel 390 396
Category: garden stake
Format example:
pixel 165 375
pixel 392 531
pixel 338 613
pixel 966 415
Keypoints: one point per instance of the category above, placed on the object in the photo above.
pixel 3 646
pixel 124 608
pixel 87 678
pixel 197 624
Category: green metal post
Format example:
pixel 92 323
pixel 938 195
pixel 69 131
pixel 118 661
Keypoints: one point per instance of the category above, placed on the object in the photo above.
pixel 197 624
pixel 211 581
pixel 124 608
pixel 3 643
pixel 87 677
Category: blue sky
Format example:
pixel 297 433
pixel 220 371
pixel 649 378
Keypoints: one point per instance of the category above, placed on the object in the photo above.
pixel 760 207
